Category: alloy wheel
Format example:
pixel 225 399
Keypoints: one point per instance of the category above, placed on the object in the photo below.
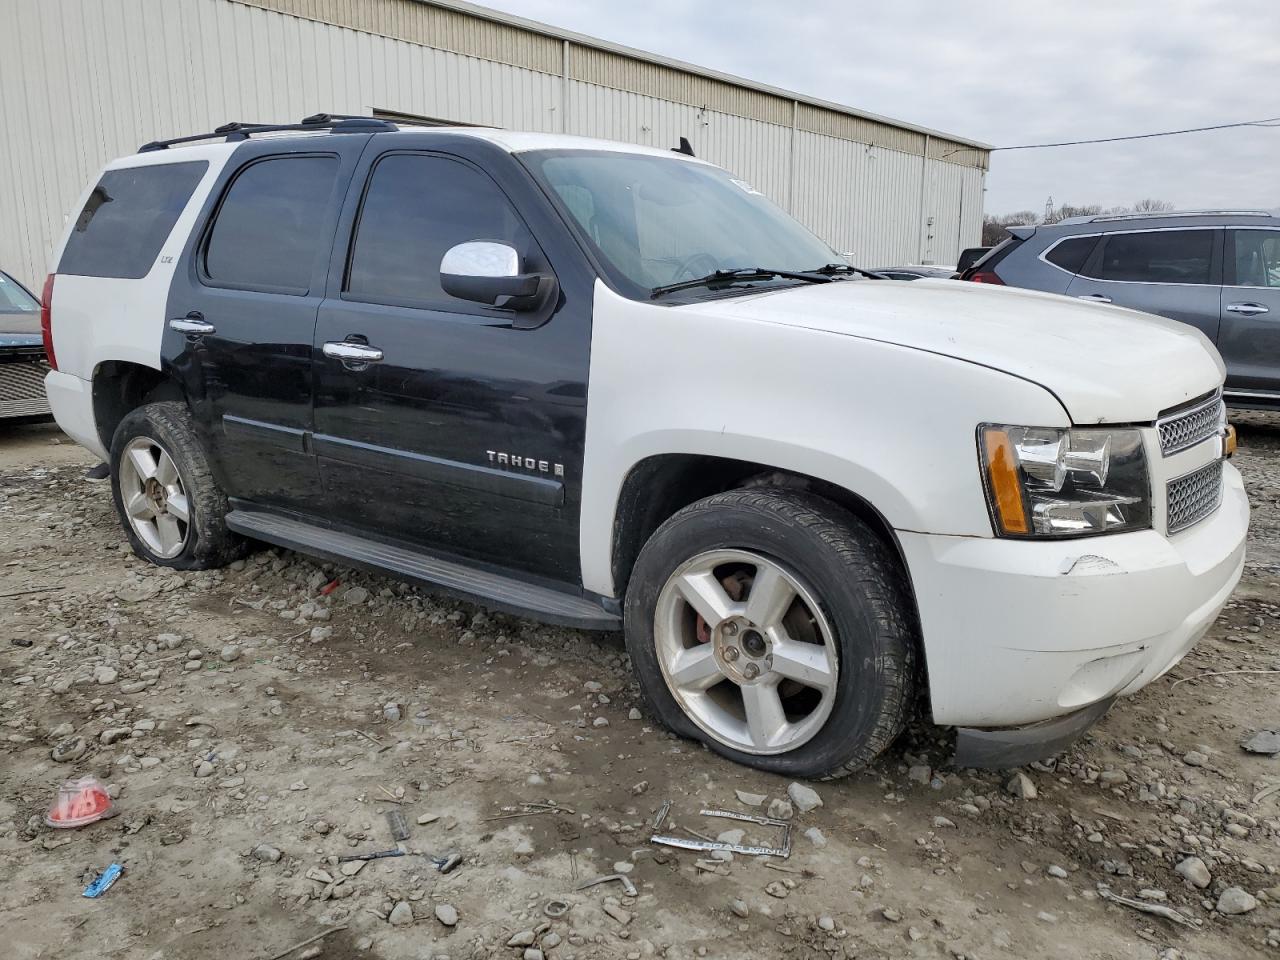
pixel 154 498
pixel 746 651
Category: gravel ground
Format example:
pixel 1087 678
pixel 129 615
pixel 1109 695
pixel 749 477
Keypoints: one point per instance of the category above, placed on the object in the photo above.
pixel 240 718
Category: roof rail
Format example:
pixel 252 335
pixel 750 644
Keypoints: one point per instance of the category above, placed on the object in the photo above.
pixel 1169 213
pixel 236 130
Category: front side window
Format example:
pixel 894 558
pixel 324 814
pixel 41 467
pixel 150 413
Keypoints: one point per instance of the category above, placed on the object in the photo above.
pixel 127 219
pixel 1157 256
pixel 267 232
pixel 1257 258
pixel 416 207
pixel 654 220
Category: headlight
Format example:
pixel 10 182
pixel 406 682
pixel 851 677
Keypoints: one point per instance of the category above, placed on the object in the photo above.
pixel 1048 482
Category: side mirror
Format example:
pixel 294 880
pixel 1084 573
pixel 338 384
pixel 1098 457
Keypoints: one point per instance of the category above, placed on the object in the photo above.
pixel 486 271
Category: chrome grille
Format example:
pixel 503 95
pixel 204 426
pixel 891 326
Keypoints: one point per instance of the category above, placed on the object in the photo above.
pixel 1189 427
pixel 1193 497
pixel 22 389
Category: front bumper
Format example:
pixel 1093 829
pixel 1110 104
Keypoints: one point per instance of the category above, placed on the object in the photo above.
pixel 1018 632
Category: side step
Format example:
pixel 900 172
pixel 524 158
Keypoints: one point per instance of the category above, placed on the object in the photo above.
pixel 490 589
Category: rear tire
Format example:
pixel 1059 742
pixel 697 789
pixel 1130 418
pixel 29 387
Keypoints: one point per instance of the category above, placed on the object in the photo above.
pixel 817 676
pixel 171 508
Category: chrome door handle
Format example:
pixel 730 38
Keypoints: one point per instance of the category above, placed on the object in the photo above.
pixel 1247 309
pixel 1094 297
pixel 346 350
pixel 192 325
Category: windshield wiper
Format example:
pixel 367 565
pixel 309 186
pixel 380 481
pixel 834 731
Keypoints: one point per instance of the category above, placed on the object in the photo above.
pixel 838 269
pixel 740 274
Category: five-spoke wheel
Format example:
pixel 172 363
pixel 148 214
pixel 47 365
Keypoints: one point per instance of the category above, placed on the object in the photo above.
pixel 746 650
pixel 776 627
pixel 154 497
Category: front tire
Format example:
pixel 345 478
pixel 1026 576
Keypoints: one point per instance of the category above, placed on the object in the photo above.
pixel 776 628
pixel 171 508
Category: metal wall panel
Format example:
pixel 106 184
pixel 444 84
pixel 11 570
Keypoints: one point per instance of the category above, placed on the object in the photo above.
pixel 94 80
pixel 753 150
pixel 98 79
pixel 430 26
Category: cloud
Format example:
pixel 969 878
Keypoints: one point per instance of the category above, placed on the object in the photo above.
pixel 1007 73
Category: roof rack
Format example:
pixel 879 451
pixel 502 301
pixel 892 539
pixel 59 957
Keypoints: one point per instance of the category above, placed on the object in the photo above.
pixel 1154 214
pixel 333 122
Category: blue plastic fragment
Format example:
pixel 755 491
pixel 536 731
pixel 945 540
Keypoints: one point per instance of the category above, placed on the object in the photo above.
pixel 104 881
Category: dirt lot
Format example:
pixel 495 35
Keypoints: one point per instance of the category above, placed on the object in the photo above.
pixel 239 717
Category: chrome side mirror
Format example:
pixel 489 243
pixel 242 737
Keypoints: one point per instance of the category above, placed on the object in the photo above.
pixel 486 271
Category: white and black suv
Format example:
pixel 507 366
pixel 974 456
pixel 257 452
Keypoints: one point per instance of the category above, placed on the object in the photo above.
pixel 614 387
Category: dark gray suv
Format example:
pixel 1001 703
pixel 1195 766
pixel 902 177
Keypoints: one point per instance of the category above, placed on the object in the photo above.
pixel 1216 270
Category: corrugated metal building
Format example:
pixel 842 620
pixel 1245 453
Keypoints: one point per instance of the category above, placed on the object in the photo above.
pixel 93 79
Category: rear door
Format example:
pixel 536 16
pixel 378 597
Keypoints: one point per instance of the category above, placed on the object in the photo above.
pixel 242 312
pixel 1174 273
pixel 1249 338
pixel 466 437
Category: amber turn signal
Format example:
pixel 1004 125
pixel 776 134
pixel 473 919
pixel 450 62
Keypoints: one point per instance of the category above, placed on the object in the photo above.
pixel 1002 478
pixel 1229 441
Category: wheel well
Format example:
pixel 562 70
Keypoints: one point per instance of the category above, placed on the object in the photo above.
pixel 120 387
pixel 660 486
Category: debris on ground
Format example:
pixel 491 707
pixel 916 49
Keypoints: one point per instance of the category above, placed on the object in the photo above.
pixel 78 803
pixel 104 881
pixel 247 782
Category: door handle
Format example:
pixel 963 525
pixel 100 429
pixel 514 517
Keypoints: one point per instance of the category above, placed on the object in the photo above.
pixel 1247 309
pixel 1094 297
pixel 193 323
pixel 348 351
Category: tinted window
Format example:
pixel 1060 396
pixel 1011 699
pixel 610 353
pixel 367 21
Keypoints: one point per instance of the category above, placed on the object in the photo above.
pixel 415 209
pixel 127 218
pixel 1257 258
pixel 1161 256
pixel 1071 254
pixel 267 233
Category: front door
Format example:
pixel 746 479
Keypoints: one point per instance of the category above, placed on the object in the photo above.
pixel 1172 273
pixel 242 312
pixel 452 426
pixel 1249 340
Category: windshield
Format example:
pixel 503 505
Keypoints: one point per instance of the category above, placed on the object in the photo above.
pixel 14 299
pixel 655 221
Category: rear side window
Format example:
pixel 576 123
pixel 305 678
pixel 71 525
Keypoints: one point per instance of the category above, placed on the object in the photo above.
pixel 415 209
pixel 1071 254
pixel 1159 256
pixel 127 219
pixel 266 234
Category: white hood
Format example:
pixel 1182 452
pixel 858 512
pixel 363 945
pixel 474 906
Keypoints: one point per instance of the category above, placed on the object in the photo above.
pixel 1105 364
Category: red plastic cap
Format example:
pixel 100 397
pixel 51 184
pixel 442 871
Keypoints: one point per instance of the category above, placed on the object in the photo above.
pixel 80 802
pixel 46 320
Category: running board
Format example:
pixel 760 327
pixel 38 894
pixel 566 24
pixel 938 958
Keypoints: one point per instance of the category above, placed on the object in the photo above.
pixel 490 589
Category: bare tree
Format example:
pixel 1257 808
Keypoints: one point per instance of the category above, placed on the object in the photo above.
pixel 995 228
pixel 1074 210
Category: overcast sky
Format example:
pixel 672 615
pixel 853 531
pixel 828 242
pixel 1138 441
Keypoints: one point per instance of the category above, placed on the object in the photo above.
pixel 1007 72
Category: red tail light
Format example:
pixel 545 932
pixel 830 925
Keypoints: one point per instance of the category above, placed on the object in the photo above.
pixel 46 320
pixel 985 276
